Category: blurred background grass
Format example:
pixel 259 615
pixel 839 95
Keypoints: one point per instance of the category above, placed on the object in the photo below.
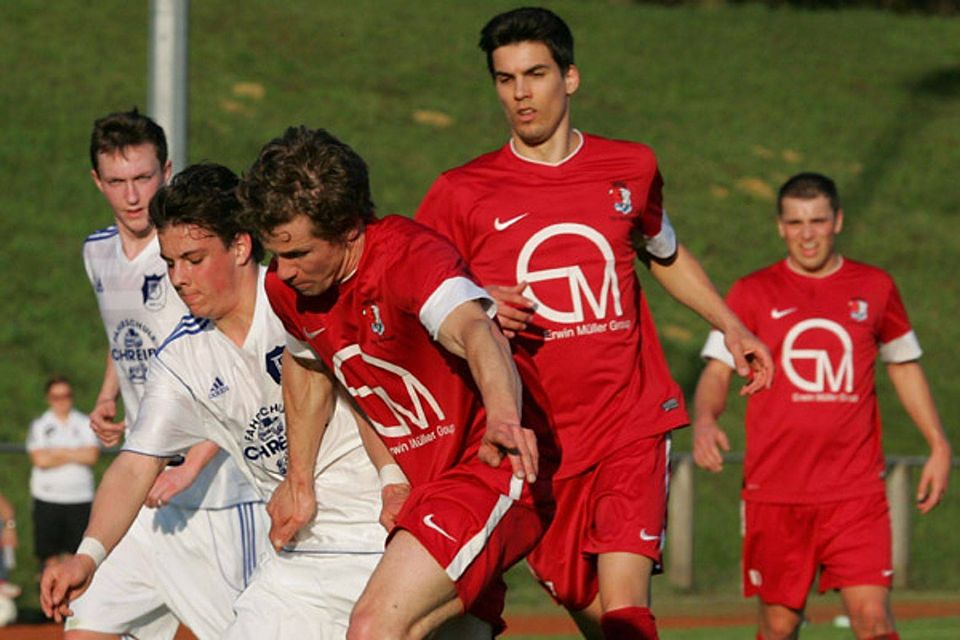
pixel 734 98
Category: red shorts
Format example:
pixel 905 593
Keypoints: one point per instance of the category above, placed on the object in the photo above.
pixel 620 504
pixel 785 545
pixel 475 533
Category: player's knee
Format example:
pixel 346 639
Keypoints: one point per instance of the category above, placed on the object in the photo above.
pixel 870 619
pixel 778 627
pixel 366 625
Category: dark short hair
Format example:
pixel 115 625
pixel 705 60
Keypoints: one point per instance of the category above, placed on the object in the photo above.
pixel 204 195
pixel 529 24
pixel 56 379
pixel 807 186
pixel 308 172
pixel 117 131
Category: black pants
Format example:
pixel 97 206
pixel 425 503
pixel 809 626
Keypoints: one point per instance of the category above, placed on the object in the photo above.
pixel 58 528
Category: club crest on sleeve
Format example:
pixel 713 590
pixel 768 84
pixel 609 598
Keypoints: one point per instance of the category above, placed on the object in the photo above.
pixel 154 293
pixel 275 362
pixel 858 309
pixel 622 202
pixel 372 313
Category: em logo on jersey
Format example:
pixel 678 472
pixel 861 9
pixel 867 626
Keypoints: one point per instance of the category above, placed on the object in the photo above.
pixel 154 292
pixel 406 412
pixel 580 289
pixel 827 376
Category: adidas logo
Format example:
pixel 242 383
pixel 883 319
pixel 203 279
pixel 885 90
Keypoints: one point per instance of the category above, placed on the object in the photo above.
pixel 218 389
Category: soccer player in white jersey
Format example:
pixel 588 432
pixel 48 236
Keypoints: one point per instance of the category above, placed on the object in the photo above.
pixel 813 491
pixel 167 568
pixel 217 377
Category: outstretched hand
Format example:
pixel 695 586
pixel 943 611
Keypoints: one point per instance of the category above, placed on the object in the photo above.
pixel 751 359
pixel 514 311
pixel 292 506
pixel 64 582
pixel 517 443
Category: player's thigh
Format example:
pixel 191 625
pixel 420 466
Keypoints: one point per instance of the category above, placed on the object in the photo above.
pixel 209 560
pixel 779 552
pixel 856 540
pixel 868 607
pixel 624 580
pixel 308 596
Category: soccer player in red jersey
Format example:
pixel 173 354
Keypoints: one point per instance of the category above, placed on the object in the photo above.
pixel 813 477
pixel 388 309
pixel 552 223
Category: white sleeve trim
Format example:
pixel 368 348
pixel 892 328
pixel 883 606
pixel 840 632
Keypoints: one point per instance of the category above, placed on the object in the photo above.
pixel 300 349
pixel 715 348
pixel 664 244
pixel 902 349
pixel 451 293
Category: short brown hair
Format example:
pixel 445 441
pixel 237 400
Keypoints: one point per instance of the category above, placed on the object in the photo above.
pixel 124 129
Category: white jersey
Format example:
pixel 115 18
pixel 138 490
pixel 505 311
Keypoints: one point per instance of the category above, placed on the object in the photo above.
pixel 70 483
pixel 139 309
pixel 204 386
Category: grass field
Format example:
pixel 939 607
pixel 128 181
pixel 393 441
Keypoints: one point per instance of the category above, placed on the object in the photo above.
pixel 734 99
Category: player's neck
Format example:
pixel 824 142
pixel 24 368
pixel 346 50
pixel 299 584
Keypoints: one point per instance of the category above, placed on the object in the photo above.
pixel 61 416
pixel 236 323
pixel 554 150
pixel 352 255
pixel 832 265
pixel 133 244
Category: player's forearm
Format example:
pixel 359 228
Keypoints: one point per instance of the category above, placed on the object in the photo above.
pixel 199 455
pixel 488 354
pixel 308 400
pixel 376 450
pixel 110 386
pixel 710 397
pixel 688 283
pixel 914 393
pixel 120 495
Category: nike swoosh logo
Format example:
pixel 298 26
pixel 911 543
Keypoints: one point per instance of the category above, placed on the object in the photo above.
pixel 887 573
pixel 500 226
pixel 776 314
pixel 646 536
pixel 313 334
pixel 428 520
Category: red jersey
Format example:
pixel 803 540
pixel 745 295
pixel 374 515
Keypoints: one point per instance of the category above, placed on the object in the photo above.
pixel 568 230
pixel 376 332
pixel 815 435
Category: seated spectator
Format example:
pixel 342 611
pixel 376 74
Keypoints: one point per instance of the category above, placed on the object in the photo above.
pixel 62 448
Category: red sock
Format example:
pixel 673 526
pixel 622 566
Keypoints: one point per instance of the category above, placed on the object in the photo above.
pixel 631 623
pixel 893 635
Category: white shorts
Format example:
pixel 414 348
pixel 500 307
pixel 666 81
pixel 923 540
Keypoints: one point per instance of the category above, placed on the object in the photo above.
pixel 302 595
pixel 173 565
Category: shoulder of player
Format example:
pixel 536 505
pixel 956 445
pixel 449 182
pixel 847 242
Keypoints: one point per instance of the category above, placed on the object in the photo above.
pixel 102 234
pixel 862 269
pixel 184 334
pixel 628 149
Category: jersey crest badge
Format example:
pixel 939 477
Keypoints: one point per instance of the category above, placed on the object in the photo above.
pixel 154 295
pixel 622 198
pixel 275 362
pixel 858 309
pixel 373 313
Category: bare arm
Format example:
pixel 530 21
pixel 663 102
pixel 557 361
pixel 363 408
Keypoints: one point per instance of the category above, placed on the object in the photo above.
pixel 468 332
pixel 685 280
pixel 8 524
pixel 119 496
pixel 914 393
pixel 176 479
pixel 105 411
pixel 56 457
pixel 308 399
pixel 394 486
pixel 709 402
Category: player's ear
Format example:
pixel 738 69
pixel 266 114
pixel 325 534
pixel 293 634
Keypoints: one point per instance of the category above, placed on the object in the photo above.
pixel 242 248
pixel 838 222
pixel 96 179
pixel 571 79
pixel 167 171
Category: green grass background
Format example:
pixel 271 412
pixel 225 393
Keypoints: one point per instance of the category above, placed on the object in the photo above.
pixel 734 99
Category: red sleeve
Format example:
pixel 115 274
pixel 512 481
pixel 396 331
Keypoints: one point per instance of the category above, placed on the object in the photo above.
pixel 895 321
pixel 442 211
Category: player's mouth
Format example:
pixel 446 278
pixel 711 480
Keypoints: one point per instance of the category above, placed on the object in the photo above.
pixel 527 114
